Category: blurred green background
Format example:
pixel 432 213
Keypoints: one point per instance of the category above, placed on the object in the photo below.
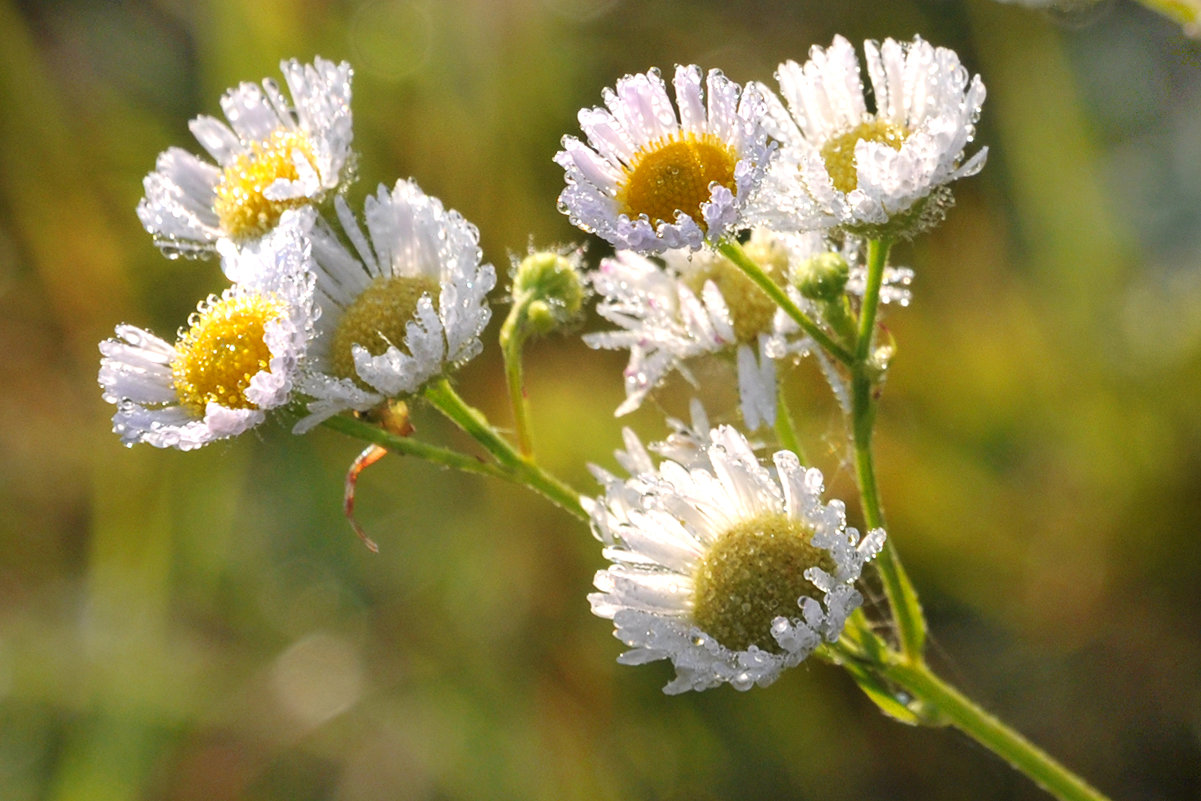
pixel 205 625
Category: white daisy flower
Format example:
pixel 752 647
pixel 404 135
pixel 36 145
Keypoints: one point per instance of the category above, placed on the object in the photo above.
pixel 700 303
pixel 872 173
pixel 731 570
pixel 273 155
pixel 651 177
pixel 407 305
pixel 238 358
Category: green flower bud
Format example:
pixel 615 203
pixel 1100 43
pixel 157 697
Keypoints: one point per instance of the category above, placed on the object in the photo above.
pixel 548 286
pixel 822 277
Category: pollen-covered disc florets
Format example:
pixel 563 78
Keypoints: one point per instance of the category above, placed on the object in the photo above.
pixel 652 177
pixel 238 357
pixel 407 305
pixel 223 348
pixel 246 204
pixel 732 570
pixel 874 173
pixel 273 155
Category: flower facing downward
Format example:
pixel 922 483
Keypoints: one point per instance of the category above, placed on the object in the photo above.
pixel 405 307
pixel 272 156
pixel 651 177
pixel 238 358
pixel 874 174
pixel 719 564
pixel 701 303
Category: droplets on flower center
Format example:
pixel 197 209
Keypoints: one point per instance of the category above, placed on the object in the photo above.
pixel 377 319
pixel 751 575
pixel 839 152
pixel 751 310
pixel 242 209
pixel 673 174
pixel 223 348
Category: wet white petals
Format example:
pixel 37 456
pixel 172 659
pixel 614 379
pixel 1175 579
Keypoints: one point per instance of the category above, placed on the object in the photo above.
pixel 638 118
pixel 409 235
pixel 136 366
pixel 180 205
pixel 664 322
pixel 921 92
pixel 657 525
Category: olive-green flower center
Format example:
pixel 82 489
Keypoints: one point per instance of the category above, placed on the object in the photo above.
pixel 377 319
pixel 242 209
pixel 221 351
pixel 751 575
pixel 751 310
pixel 673 174
pixel 839 152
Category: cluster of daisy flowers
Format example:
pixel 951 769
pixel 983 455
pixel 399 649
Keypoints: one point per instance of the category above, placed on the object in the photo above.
pixel 318 315
pixel 808 171
pixel 729 565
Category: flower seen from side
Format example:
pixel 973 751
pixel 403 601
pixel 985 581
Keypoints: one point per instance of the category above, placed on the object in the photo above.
pixel 731 570
pixel 272 154
pixel 406 305
pixel 881 173
pixel 701 303
pixel 652 176
pixel 238 358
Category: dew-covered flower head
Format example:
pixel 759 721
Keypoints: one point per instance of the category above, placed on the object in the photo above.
pixel 729 568
pixel 405 304
pixel 272 154
pixel 881 172
pixel 684 306
pixel 652 176
pixel 238 357
pixel 701 303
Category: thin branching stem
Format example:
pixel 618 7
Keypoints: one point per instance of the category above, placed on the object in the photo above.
pixel 517 468
pixel 735 253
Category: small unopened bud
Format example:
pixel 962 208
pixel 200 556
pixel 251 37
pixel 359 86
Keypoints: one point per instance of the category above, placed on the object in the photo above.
pixel 547 284
pixel 823 277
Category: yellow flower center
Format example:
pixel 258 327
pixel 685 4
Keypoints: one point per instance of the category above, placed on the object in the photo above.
pixel 839 152
pixel 751 310
pixel 222 350
pixel 377 319
pixel 242 209
pixel 673 175
pixel 753 574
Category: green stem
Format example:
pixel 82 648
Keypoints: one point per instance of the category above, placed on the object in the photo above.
pixel 734 252
pixel 511 345
pixel 902 597
pixel 877 257
pixel 515 466
pixel 918 681
pixel 910 692
pixel 369 432
pixel 929 699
